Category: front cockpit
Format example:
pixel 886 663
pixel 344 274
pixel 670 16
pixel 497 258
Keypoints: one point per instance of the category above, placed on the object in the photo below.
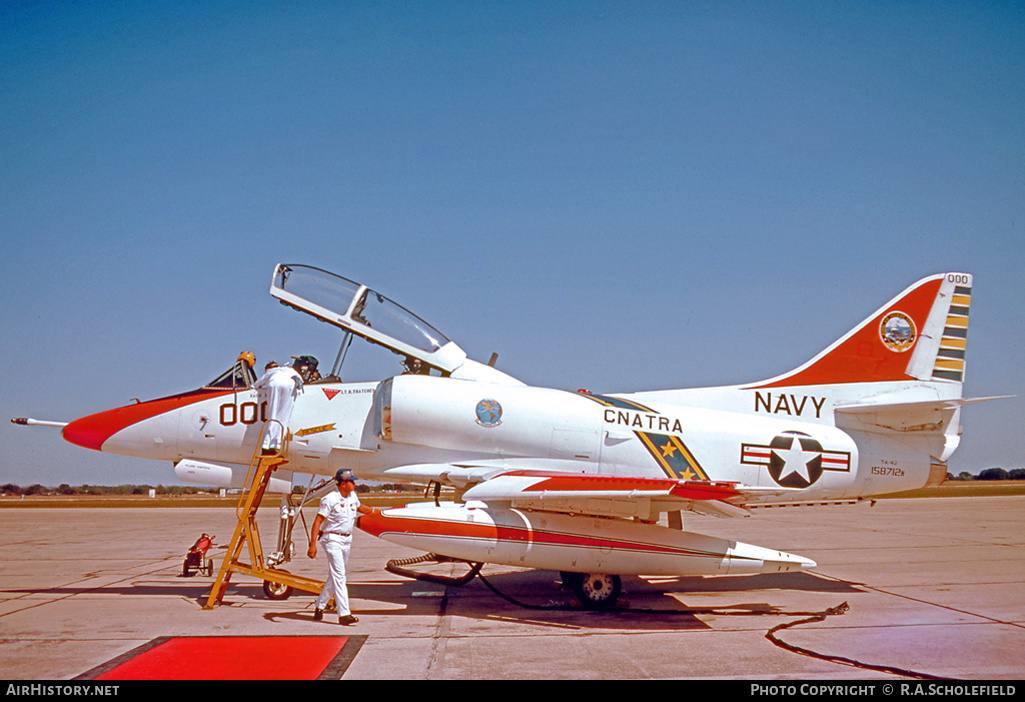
pixel 240 376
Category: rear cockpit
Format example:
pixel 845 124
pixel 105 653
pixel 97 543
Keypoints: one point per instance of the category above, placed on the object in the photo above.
pixel 360 311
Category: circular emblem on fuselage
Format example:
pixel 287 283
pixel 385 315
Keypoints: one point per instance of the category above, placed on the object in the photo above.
pixel 489 413
pixel 795 460
pixel 897 331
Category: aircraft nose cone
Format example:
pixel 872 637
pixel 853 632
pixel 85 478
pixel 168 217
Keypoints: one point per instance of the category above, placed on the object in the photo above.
pixel 91 431
pixel 131 422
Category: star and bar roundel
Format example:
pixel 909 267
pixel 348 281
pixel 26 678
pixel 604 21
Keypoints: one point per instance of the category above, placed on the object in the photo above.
pixel 669 451
pixel 794 459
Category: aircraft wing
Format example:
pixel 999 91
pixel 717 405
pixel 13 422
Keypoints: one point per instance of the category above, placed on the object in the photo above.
pixel 597 495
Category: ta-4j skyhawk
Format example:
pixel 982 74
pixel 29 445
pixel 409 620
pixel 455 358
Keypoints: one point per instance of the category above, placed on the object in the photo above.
pixel 573 481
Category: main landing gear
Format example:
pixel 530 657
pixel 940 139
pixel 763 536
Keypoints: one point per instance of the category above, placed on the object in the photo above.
pixel 594 590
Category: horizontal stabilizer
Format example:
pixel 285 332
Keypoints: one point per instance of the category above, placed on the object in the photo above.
pixel 928 416
pixel 952 403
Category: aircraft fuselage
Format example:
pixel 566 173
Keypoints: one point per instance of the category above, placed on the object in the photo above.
pixel 417 419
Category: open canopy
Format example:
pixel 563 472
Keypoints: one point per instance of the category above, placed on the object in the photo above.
pixel 364 312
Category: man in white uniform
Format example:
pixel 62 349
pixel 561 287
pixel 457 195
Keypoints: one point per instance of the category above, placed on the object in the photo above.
pixel 280 385
pixel 333 527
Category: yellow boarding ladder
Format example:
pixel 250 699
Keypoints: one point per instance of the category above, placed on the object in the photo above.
pixel 277 583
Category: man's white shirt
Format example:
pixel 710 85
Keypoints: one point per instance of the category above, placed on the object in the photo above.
pixel 339 512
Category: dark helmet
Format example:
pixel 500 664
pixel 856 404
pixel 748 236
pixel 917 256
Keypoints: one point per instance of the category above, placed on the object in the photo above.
pixel 306 365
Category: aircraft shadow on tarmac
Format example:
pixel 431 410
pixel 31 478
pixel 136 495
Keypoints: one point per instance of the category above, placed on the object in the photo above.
pixel 534 597
pixel 530 596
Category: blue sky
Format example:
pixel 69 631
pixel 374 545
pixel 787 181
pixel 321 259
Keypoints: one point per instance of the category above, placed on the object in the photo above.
pixel 612 195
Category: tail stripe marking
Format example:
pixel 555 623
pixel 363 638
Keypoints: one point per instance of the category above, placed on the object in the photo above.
pixel 950 359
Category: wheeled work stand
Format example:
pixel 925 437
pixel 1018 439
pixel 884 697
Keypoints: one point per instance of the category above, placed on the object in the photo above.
pixel 247 534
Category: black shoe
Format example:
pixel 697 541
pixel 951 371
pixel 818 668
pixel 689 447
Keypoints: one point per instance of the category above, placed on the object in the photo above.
pixel 318 614
pixel 347 620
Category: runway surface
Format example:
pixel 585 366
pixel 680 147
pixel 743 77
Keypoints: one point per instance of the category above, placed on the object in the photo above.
pixel 934 586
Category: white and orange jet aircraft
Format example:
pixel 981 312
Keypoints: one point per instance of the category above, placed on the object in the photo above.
pixel 572 481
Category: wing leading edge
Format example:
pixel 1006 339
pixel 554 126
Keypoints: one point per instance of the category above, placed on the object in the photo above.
pixel 597 495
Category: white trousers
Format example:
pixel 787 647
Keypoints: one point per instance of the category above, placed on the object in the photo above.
pixel 280 398
pixel 337 549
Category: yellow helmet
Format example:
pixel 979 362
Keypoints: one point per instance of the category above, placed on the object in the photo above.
pixel 248 358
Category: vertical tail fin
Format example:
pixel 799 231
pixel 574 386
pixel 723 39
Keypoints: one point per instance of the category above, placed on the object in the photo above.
pixel 919 335
pixel 941 350
pixel 894 384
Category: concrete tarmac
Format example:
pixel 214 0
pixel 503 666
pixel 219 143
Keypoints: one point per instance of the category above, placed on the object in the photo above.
pixel 934 586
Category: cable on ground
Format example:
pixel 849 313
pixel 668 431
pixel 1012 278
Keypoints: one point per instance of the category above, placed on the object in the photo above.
pixel 398 567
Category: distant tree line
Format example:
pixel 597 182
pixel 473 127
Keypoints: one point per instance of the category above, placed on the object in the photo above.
pixel 990 474
pixel 65 489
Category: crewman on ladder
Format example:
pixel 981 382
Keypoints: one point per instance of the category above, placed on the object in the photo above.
pixel 281 384
pixel 334 524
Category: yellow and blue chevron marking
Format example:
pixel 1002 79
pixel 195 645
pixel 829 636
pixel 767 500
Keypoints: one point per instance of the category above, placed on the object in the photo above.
pixel 668 450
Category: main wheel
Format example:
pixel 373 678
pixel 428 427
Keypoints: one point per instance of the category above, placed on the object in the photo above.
pixel 276 591
pixel 597 590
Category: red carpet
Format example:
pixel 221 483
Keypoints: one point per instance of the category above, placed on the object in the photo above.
pixel 234 658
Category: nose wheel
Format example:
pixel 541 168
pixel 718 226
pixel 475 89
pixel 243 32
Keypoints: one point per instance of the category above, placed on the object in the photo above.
pixel 594 590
